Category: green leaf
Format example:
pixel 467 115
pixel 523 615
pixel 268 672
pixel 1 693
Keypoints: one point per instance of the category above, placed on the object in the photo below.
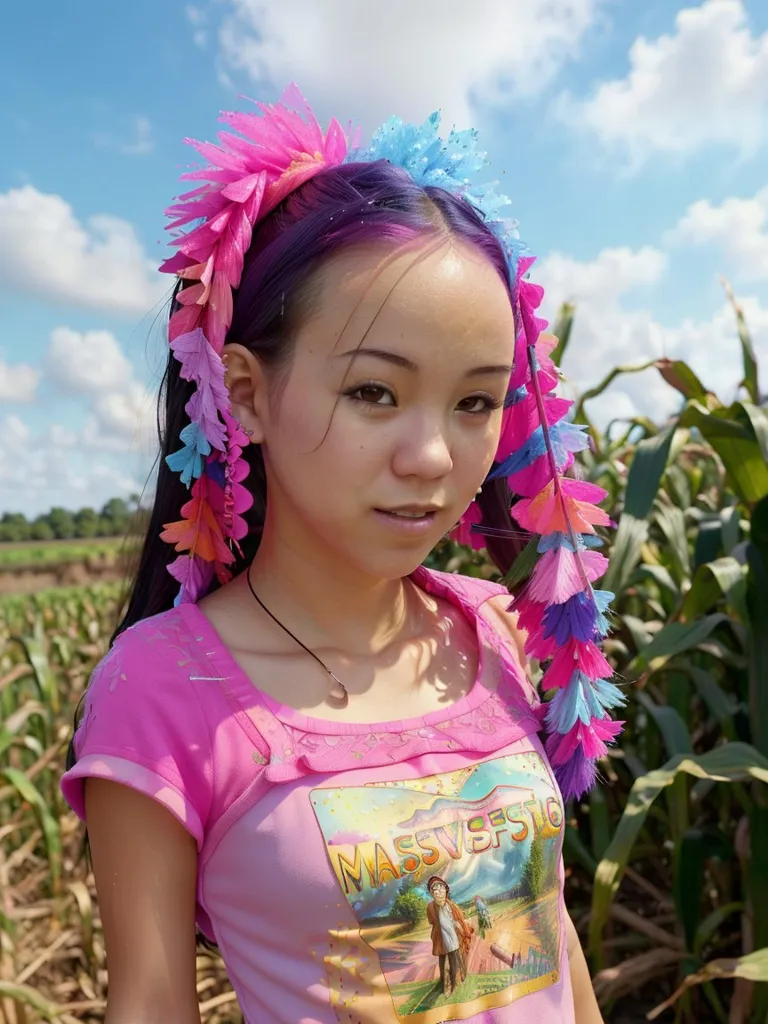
pixel 731 519
pixel 524 564
pixel 756 419
pixel 599 822
pixel 758 885
pixel 45 680
pixel 617 371
pixel 720 704
pixel 50 826
pixel 725 577
pixel 709 540
pixel 749 360
pixel 697 845
pixel 733 762
pixel 660 575
pixel 752 967
pixel 757 603
pixel 677 483
pixel 758 524
pixel 25 995
pixel 673 639
pixel 575 849
pixel 671 521
pixel 648 465
pixel 712 924
pixel 680 376
pixel 639 629
pixel 736 444
pixel 626 552
pixel 673 729
pixel 562 331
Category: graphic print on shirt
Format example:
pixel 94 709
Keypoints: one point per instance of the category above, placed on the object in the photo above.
pixel 454 883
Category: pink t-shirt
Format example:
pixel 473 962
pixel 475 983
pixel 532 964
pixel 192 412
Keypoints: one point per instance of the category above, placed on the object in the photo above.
pixel 317 839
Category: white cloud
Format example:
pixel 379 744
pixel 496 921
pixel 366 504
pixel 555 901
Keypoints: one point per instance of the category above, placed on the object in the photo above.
pixel 92 365
pixel 15 433
pixel 46 251
pixel 198 19
pixel 372 60
pixel 142 142
pixel 87 363
pixel 39 472
pixel 604 279
pixel 61 437
pixel 18 383
pixel 139 142
pixel 607 333
pixel 738 226
pixel 706 83
pixel 109 456
pixel 122 420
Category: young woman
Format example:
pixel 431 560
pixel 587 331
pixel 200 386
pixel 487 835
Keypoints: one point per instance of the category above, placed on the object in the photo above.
pixel 282 752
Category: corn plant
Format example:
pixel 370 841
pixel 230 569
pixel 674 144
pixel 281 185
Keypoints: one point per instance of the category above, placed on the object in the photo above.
pixel 52 961
pixel 684 824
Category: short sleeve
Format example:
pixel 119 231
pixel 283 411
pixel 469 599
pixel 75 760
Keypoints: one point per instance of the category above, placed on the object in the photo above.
pixel 143 726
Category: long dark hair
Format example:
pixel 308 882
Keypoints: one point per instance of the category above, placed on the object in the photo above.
pixel 339 207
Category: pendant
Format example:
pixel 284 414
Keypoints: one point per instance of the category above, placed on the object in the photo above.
pixel 338 694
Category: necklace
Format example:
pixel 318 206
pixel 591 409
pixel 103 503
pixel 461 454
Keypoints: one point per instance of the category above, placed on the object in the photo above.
pixel 338 694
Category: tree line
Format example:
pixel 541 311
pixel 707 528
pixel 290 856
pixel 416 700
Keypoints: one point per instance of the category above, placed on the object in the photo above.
pixel 113 520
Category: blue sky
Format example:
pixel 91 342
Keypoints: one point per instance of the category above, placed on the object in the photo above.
pixel 632 138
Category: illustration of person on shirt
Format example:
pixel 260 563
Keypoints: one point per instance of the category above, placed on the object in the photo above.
pixel 451 934
pixel 484 922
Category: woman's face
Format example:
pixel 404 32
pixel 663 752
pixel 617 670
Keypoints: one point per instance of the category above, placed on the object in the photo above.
pixel 390 413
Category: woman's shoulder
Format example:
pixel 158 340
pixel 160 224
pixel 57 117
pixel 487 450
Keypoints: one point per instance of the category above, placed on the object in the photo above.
pixel 151 666
pixel 474 590
pixel 490 600
pixel 164 643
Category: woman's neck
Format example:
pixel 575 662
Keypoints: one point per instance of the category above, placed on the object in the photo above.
pixel 328 605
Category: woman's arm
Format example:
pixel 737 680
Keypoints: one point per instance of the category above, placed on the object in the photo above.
pixel 584 1001
pixel 145 864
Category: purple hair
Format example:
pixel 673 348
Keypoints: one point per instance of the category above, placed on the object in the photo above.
pixel 351 204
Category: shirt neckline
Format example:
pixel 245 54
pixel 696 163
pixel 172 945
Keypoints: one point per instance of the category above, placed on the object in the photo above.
pixel 247 692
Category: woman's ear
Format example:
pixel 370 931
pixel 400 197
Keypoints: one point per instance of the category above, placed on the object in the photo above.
pixel 247 384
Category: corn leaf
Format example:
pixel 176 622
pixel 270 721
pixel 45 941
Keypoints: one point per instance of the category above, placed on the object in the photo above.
pixel 673 639
pixel 752 967
pixel 648 465
pixel 749 360
pixel 562 331
pixel 724 577
pixel 732 762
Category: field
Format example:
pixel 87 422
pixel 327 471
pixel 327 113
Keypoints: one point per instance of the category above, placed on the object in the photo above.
pixel 52 963
pixel 31 566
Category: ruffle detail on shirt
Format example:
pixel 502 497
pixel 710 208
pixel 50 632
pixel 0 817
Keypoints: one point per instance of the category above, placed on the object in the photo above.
pixel 489 727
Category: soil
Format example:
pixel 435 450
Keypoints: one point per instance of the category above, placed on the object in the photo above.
pixel 73 574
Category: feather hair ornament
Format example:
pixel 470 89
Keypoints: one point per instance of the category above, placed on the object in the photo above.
pixel 263 158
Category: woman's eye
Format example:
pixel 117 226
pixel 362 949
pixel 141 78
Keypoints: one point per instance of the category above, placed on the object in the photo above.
pixel 373 394
pixel 478 404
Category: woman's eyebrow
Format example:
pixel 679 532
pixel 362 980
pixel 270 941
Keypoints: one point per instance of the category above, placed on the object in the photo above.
pixel 408 364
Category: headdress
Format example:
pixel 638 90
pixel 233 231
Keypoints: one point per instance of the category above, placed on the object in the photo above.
pixel 258 164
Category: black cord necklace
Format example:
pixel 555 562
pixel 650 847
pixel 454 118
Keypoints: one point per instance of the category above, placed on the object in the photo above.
pixel 338 693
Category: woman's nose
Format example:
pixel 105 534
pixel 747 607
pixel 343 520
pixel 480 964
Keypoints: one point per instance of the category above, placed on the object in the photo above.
pixel 423 450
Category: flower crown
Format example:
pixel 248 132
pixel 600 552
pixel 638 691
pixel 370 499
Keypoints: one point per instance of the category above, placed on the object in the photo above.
pixel 250 173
